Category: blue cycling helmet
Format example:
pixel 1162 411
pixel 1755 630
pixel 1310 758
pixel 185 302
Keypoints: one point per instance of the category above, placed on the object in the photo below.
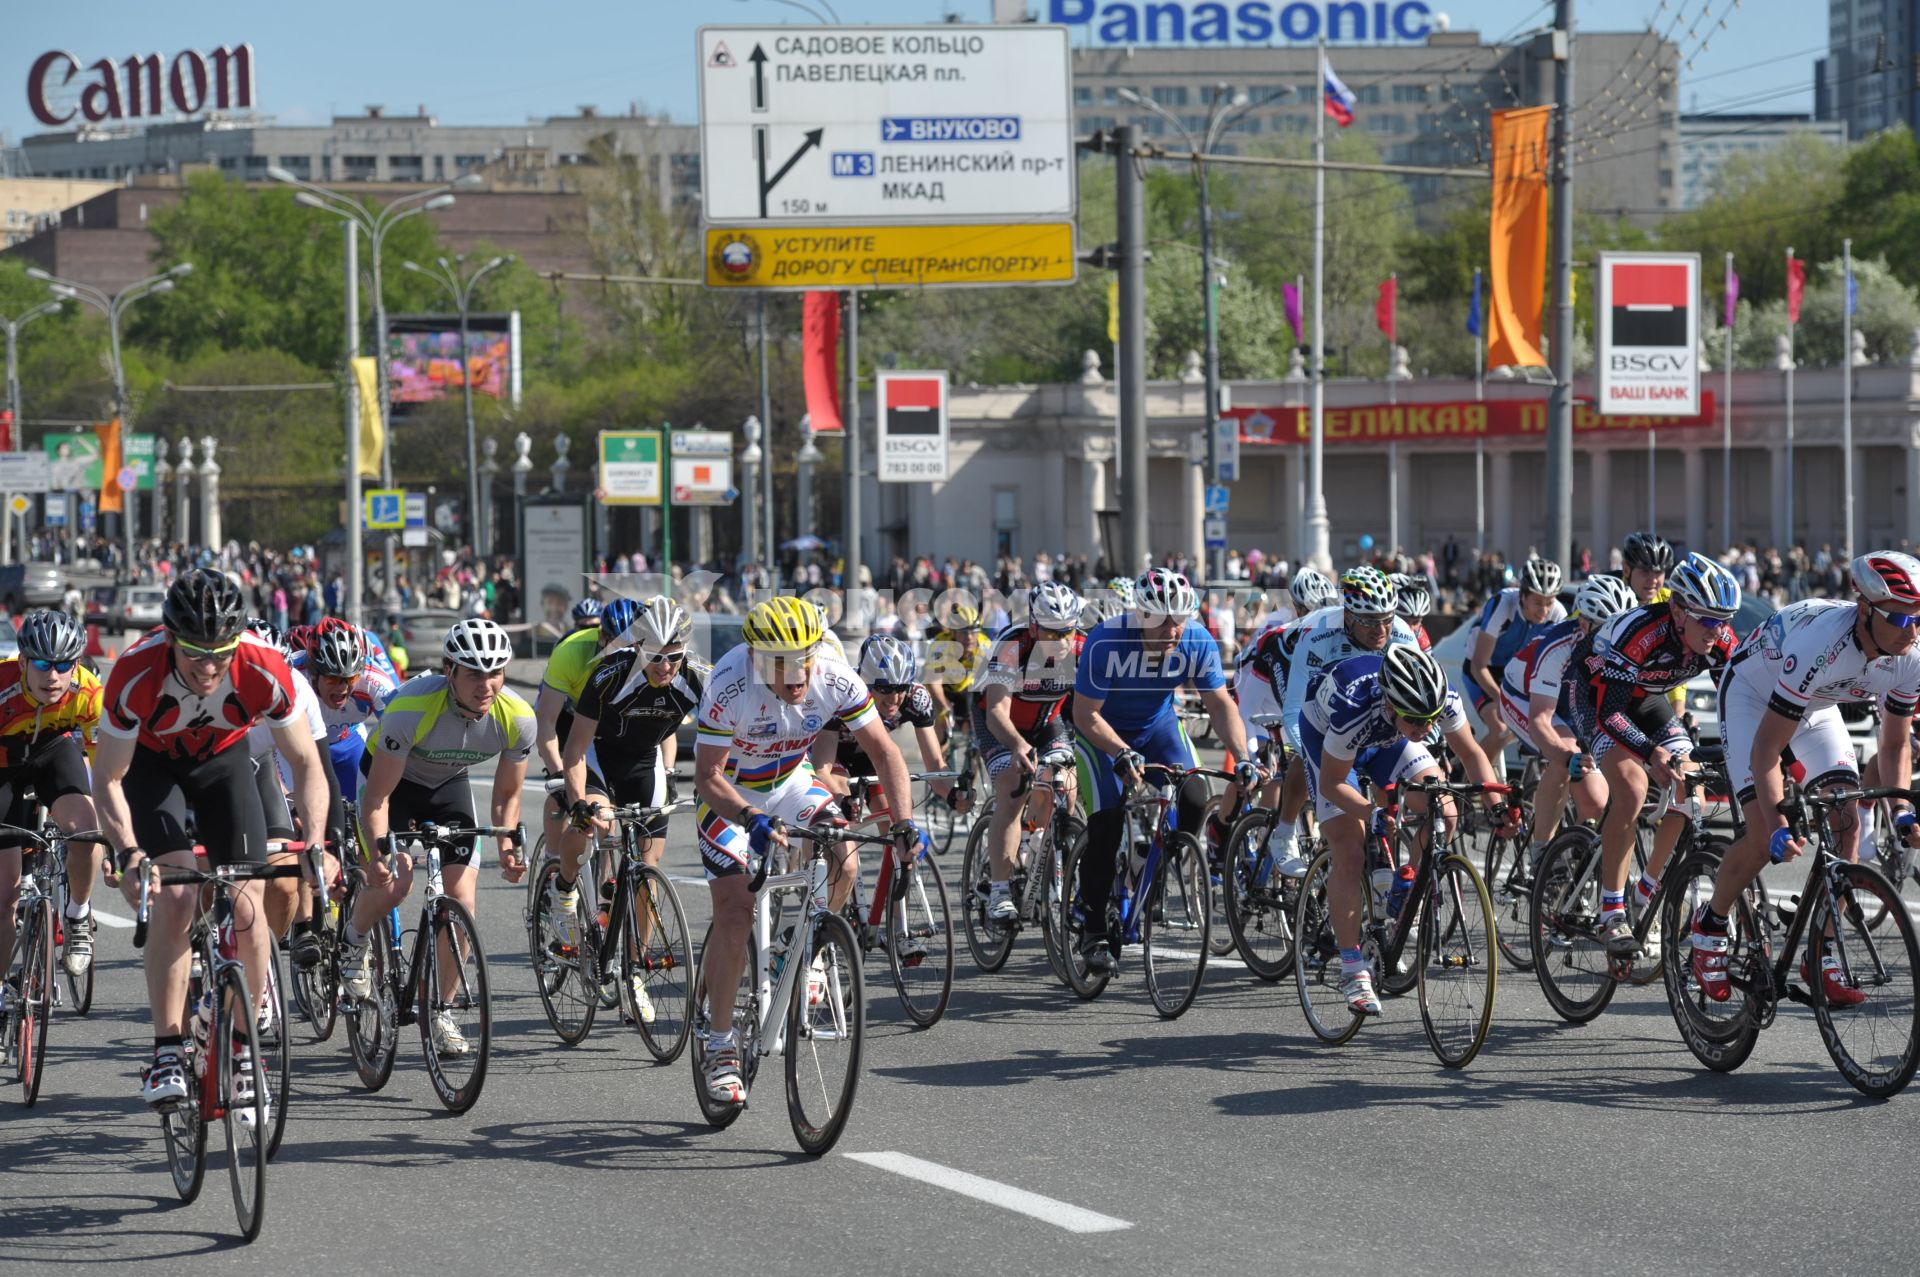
pixel 1704 587
pixel 616 616
pixel 886 663
pixel 586 614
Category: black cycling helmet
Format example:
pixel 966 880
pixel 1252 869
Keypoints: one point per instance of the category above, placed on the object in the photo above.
pixel 203 608
pixel 1647 551
pixel 47 635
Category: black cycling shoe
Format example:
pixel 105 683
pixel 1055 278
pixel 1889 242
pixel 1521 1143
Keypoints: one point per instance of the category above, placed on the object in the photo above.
pixel 1097 956
pixel 303 949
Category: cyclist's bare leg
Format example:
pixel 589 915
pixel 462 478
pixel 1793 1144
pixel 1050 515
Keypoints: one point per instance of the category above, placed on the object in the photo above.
pixel 1344 836
pixel 281 896
pixel 651 849
pixel 250 937
pixel 74 813
pixel 170 913
pixel 1627 787
pixel 384 890
pixel 726 953
pixel 9 901
pixel 1665 839
pixel 1293 794
pixel 461 883
pixel 1003 827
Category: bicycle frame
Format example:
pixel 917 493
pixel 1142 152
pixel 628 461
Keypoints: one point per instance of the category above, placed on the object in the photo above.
pixel 1390 933
pixel 772 994
pixel 631 820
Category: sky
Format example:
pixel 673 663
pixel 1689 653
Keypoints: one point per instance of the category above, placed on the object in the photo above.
pixel 487 63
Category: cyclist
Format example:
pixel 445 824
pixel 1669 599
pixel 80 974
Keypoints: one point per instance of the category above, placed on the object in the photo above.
pixel 1377 711
pixel 1124 690
pixel 1646 559
pixel 1782 690
pixel 1310 590
pixel 569 667
pixel 1017 721
pixel 763 708
pixel 1509 620
pixel 1530 699
pixel 49 711
pixel 435 730
pixel 352 695
pixel 586 614
pixel 956 655
pixel 272 774
pixel 176 712
pixel 1617 680
pixel 629 716
pixel 1412 602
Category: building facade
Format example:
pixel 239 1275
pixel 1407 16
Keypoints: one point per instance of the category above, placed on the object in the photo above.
pixel 29 205
pixel 1867 80
pixel 1708 141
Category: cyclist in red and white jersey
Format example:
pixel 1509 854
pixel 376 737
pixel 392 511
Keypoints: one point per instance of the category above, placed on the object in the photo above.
pixel 173 734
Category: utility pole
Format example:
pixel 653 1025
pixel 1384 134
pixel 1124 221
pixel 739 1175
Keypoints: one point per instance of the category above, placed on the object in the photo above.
pixel 1131 197
pixel 850 451
pixel 1319 541
pixel 356 586
pixel 1559 545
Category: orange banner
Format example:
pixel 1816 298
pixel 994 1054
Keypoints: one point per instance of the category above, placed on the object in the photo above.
pixel 110 466
pixel 1469 419
pixel 1517 244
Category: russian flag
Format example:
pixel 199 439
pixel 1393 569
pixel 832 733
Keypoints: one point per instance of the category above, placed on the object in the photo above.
pixel 1339 98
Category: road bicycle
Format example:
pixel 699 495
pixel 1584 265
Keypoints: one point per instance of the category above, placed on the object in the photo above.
pixel 936 816
pixel 1508 875
pixel 442 985
pixel 1899 862
pixel 39 915
pixel 1875 1043
pixel 1045 841
pixel 632 938
pixel 1447 918
pixel 1161 895
pixel 908 919
pixel 219 1015
pixel 1258 901
pixel 802 993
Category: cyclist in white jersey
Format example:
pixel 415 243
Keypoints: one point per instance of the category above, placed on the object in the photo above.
pixel 1782 690
pixel 764 705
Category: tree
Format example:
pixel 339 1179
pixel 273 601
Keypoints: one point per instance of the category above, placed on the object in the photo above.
pixel 1762 204
pixel 1887 315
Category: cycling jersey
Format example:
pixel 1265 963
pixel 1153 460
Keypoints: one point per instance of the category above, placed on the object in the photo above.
pixel 1502 617
pixel 1137 686
pixel 915 710
pixel 438 742
pixel 769 738
pixel 145 700
pixel 1349 710
pixel 27 727
pixel 1037 680
pixel 1324 643
pixel 306 709
pixel 1537 670
pixel 632 717
pixel 1614 671
pixel 955 659
pixel 1807 656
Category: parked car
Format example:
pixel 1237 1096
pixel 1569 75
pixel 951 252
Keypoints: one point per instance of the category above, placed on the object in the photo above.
pixel 138 607
pixel 9 641
pixel 31 585
pixel 425 631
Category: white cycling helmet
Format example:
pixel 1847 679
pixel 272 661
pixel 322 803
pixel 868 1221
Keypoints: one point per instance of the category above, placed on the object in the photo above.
pixel 1311 590
pixel 1052 606
pixel 1413 602
pixel 1366 591
pixel 478 644
pixel 1887 576
pixel 1540 576
pixel 1604 597
pixel 886 663
pixel 1164 592
pixel 660 623
pixel 1704 587
pixel 1413 683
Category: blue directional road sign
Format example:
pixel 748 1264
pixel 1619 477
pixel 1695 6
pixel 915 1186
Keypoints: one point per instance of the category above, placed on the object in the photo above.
pixel 385 509
pixel 1216 498
pixel 949 128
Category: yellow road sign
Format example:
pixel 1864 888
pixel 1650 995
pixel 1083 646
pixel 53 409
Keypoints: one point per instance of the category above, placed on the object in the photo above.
pixel 890 256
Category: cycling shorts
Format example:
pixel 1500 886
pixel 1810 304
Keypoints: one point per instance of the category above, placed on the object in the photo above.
pixel 1820 742
pixel 1514 712
pixel 219 791
pixel 57 769
pixel 646 785
pixel 1164 741
pixel 448 803
pixel 1388 764
pixel 1046 738
pixel 724 845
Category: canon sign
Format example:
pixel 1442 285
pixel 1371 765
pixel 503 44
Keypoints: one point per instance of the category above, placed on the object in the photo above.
pixel 131 89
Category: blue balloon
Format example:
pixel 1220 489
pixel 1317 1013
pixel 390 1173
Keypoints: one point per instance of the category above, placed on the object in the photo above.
pixel 1366 541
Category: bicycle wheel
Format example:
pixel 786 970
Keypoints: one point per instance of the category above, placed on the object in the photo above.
pixel 35 997
pixel 1400 976
pixel 1512 907
pixel 1258 901
pixel 1316 969
pixel 1219 933
pixel 1899 863
pixel 989 943
pixel 277 1043
pixel 1086 984
pixel 1569 958
pixel 316 991
pixel 656 973
pixel 562 972
pixel 1175 926
pixel 941 823
pixel 1875 1044
pixel 456 1014
pixel 1048 861
pixel 373 1022
pixel 1459 961
pixel 825 1032
pixel 746 1030
pixel 182 1128
pixel 79 987
pixel 1721 1035
pixel 245 1125
pixel 919 942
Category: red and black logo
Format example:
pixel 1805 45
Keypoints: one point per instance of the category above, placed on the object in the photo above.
pixel 1650 304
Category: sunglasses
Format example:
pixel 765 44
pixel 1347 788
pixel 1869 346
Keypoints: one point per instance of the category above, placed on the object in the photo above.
pixel 1047 633
pixel 664 658
pixel 194 653
pixel 57 667
pixel 1715 623
pixel 1372 622
pixel 1898 620
pixel 1423 720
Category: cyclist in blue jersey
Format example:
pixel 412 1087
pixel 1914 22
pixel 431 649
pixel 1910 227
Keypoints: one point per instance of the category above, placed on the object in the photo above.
pixel 1123 715
pixel 1377 713
pixel 1511 619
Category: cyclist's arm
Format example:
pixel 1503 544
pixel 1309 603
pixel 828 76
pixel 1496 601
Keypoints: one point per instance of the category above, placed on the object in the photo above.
pixel 1896 744
pixel 1557 747
pixel 1225 717
pixel 573 762
pixel 295 743
pixel 110 762
pixel 1479 771
pixel 1477 664
pixel 385 773
pixel 670 749
pixel 711 783
pixel 996 703
pixel 1099 733
pixel 508 777
pixel 887 765
pixel 1770 739
pixel 546 739
pixel 933 759
pixel 1336 782
pixel 825 753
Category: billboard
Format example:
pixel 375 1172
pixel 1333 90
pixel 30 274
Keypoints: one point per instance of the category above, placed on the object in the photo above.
pixel 911 444
pixel 424 361
pixel 73 460
pixel 1647 334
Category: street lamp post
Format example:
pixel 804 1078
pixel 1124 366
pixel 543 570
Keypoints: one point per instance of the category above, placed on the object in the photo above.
pixel 750 461
pixel 114 306
pixel 1220 112
pixel 448 276
pixel 376 224
pixel 808 457
pixel 12 328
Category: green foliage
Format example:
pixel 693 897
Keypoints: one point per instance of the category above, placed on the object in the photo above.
pixel 1887 315
pixel 1762 204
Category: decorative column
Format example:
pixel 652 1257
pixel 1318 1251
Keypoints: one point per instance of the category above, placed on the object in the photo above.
pixel 1910 530
pixel 1600 499
pixel 162 475
pixel 484 547
pixel 522 467
pixel 1093 486
pixel 183 474
pixel 1500 479
pixel 558 470
pixel 210 495
pixel 1693 481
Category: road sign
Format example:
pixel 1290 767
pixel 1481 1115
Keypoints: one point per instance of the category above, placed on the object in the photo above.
pixel 1216 531
pixel 885 124
pixel 415 537
pixel 630 467
pixel 702 480
pixel 702 443
pixel 56 511
pixel 384 509
pixel 416 512
pixel 1226 436
pixel 891 256
pixel 1216 498
pixel 25 472
pixel 20 504
pixel 127 477
pixel 911 444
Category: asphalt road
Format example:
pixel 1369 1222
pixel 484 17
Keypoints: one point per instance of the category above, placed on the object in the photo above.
pixel 1229 1139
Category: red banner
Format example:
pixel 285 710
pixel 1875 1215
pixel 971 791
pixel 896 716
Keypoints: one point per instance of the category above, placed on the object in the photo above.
pixel 820 342
pixel 1496 418
pixel 6 431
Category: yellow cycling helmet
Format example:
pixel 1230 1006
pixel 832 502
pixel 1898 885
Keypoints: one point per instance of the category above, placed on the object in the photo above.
pixel 782 626
pixel 962 615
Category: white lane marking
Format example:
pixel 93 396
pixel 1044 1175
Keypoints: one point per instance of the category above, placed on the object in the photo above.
pixel 1045 1209
pixel 111 920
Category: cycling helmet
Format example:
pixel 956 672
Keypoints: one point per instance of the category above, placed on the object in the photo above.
pixel 51 636
pixel 478 644
pixel 1648 551
pixel 1102 607
pixel 1413 602
pixel 1412 682
pixel 1540 576
pixel 1164 592
pixel 783 626
pixel 1052 606
pixel 275 636
pixel 1704 587
pixel 1603 597
pixel 961 614
pixel 337 653
pixel 1366 591
pixel 886 663
pixel 301 637
pixel 660 623
pixel 1122 586
pixel 203 608
pixel 616 617
pixel 1311 591
pixel 1882 577
pixel 586 614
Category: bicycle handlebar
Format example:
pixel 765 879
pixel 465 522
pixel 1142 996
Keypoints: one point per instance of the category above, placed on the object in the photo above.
pixel 180 876
pixel 40 841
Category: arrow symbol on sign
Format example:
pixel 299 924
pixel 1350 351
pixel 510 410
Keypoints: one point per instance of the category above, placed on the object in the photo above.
pixel 760 146
pixel 759 59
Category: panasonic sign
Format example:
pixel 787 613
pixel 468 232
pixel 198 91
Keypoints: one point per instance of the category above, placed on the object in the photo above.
pixel 1254 21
